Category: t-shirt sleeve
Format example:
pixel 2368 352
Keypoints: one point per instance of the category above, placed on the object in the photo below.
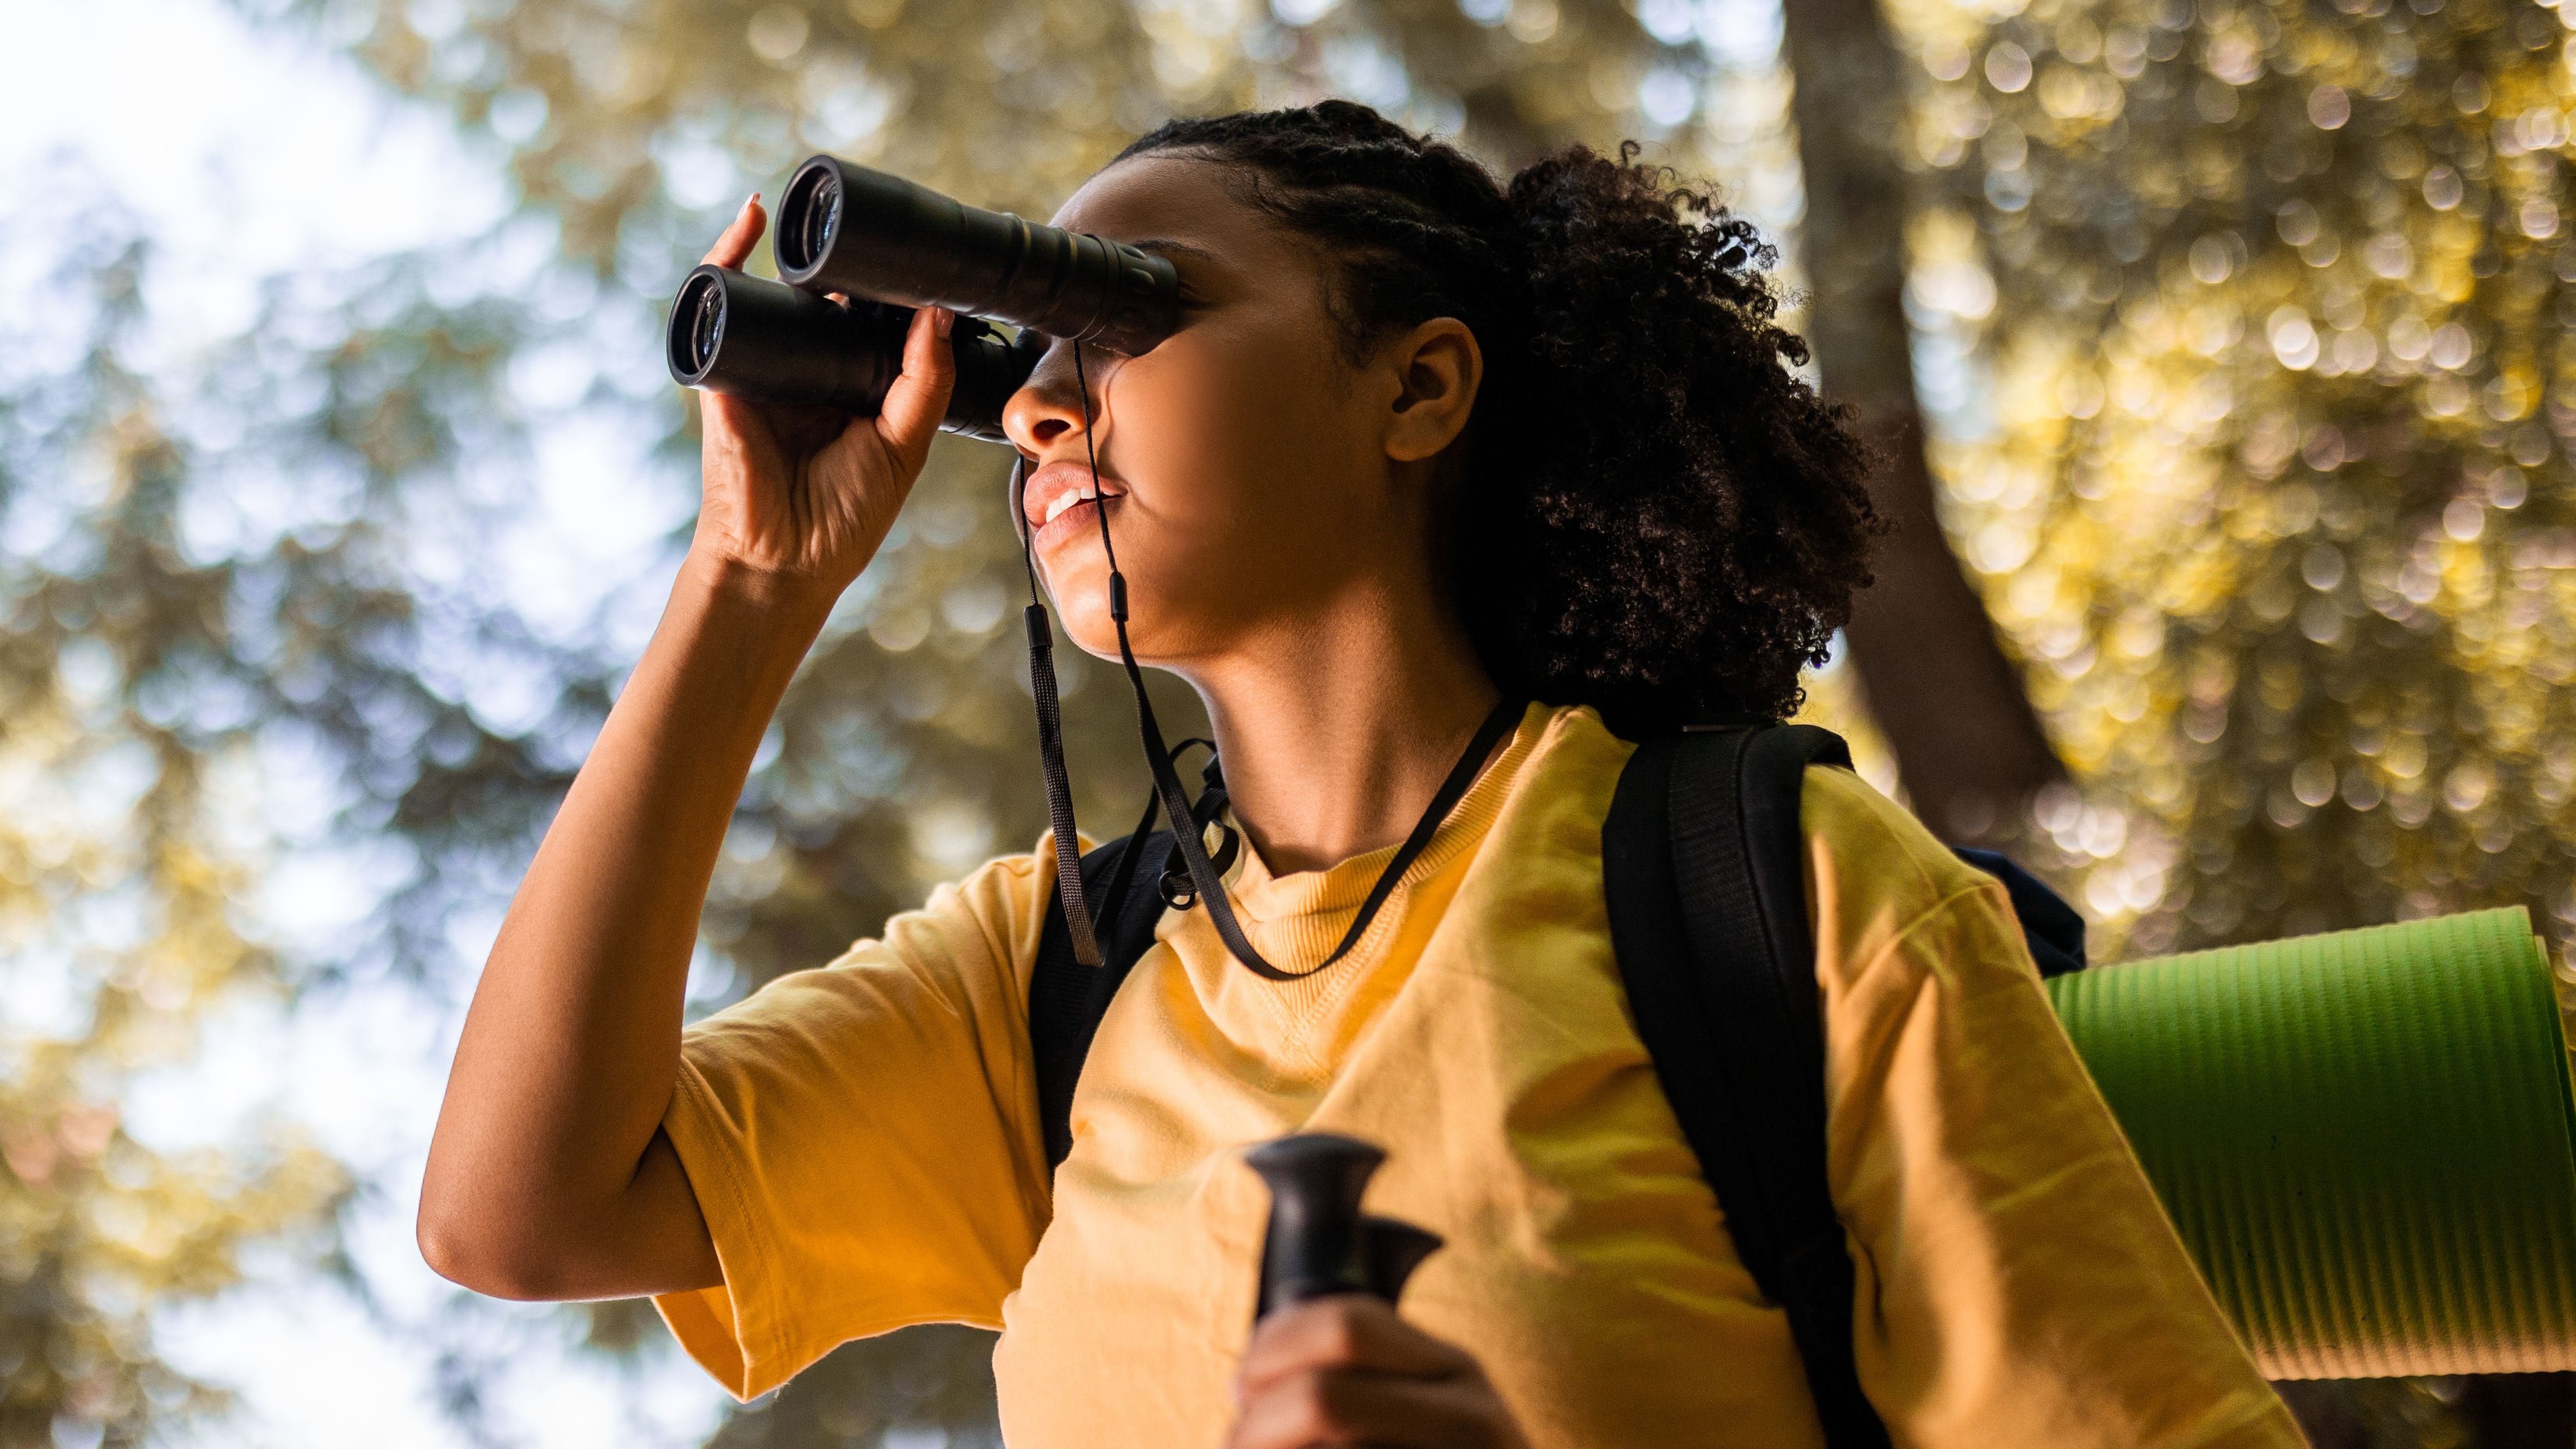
pixel 862 1137
pixel 2019 1282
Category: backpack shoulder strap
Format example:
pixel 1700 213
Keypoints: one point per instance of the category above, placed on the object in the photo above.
pixel 1703 868
pixel 1066 998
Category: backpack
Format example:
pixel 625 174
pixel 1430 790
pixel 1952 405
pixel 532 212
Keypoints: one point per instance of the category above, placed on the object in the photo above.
pixel 1703 871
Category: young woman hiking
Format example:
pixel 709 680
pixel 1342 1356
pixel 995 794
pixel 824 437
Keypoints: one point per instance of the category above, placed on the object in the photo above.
pixel 1421 445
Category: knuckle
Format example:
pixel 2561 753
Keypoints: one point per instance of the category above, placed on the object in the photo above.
pixel 1273 1341
pixel 1317 1409
pixel 1337 1332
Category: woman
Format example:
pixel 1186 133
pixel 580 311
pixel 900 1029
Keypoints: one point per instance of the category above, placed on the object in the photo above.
pixel 1421 445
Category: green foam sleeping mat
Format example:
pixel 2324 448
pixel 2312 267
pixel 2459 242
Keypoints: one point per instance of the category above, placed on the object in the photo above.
pixel 2366 1138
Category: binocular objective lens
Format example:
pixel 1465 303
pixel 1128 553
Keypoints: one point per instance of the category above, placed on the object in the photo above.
pixel 702 306
pixel 808 216
pixel 825 218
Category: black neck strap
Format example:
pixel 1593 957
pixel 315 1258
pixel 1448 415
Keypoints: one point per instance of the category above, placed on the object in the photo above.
pixel 1187 828
pixel 1068 851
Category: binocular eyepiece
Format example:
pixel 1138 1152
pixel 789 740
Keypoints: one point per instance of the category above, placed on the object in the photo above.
pixel 892 246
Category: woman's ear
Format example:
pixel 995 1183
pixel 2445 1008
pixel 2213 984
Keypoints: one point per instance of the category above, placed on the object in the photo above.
pixel 1437 368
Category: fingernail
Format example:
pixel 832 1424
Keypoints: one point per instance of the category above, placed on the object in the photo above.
pixel 941 320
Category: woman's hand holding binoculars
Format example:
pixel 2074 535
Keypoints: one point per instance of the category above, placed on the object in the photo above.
pixel 1347 1369
pixel 804 495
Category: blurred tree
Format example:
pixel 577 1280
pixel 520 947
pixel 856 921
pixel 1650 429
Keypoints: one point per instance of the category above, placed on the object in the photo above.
pixel 906 1386
pixel 1968 747
pixel 118 874
pixel 2273 306
pixel 247 578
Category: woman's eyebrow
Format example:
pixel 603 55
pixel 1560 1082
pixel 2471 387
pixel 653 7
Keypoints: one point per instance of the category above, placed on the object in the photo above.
pixel 1160 244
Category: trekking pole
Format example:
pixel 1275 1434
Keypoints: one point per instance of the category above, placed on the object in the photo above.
pixel 1319 1242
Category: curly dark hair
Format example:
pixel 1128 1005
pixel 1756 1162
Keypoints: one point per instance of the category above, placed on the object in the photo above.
pixel 1655 518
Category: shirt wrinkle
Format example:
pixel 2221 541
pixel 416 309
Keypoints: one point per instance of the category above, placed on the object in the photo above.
pixel 1922 920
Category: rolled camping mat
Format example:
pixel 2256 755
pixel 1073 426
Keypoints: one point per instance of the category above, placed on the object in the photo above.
pixel 2367 1139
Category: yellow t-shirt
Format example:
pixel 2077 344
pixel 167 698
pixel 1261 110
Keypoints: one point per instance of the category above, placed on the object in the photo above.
pixel 863 1140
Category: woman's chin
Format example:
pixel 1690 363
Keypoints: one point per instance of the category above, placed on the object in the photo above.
pixel 1083 622
pixel 1099 643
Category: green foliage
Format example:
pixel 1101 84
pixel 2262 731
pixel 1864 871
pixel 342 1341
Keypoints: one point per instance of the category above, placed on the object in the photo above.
pixel 2275 302
pixel 2276 501
pixel 117 876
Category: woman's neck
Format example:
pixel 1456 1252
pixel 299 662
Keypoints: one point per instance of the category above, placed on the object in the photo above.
pixel 1337 731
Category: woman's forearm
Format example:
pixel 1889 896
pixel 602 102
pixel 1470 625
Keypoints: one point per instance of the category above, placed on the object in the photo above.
pixel 539 1181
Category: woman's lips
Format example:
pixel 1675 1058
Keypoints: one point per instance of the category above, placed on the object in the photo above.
pixel 1062 502
pixel 1078 517
pixel 1058 500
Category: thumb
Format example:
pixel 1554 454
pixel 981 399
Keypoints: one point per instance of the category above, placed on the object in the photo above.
pixel 919 398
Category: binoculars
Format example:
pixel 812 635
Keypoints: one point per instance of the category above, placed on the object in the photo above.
pixel 891 246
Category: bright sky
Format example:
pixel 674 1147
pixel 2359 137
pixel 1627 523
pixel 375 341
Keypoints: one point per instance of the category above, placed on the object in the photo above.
pixel 251 153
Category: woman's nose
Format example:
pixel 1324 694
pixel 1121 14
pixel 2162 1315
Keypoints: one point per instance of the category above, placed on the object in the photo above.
pixel 1048 407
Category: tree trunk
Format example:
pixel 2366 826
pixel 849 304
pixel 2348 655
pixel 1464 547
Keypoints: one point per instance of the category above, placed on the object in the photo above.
pixel 1968 747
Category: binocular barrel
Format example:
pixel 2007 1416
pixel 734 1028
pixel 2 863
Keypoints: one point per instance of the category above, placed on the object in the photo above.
pixel 845 228
pixel 751 337
pixel 892 247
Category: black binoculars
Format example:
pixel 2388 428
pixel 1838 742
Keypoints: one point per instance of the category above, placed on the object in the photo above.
pixel 890 247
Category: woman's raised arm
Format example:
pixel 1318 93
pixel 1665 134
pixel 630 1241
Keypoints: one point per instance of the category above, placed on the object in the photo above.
pixel 549 1176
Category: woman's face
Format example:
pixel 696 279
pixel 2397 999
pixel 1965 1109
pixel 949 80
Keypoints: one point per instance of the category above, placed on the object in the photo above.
pixel 1252 475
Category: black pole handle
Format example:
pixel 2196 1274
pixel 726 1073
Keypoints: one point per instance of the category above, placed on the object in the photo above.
pixel 1319 1242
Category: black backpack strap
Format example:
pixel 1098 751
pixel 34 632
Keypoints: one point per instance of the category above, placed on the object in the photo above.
pixel 1066 998
pixel 1703 868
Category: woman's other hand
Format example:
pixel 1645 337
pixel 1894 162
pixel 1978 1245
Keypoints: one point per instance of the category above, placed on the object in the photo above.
pixel 1348 1370
pixel 806 494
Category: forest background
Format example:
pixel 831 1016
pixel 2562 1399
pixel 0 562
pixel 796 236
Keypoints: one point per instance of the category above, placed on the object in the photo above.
pixel 2219 348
